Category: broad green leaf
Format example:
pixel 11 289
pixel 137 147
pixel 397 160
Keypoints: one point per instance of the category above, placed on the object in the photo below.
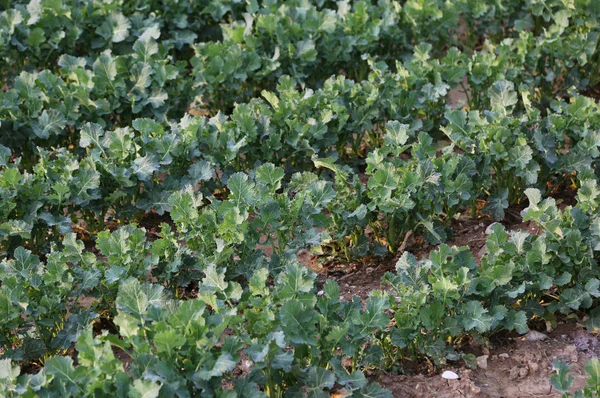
pixel 222 365
pixel 298 323
pixel 242 190
pixel 270 175
pixel 592 368
pixel 561 380
pixel 214 278
pixel 127 324
pixel 144 389
pixel 372 390
pixel 144 167
pixel 50 122
pixel 105 69
pixel 474 316
pixel 319 378
pixel 502 96
pixel 115 27
pixel 396 133
pixel 7 370
pixel 132 298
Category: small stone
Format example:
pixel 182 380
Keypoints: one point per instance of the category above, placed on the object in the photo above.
pixel 518 372
pixel 534 335
pixel 320 293
pixel 489 229
pixel 523 372
pixel 504 355
pixel 370 270
pixel 482 361
pixel 569 354
pixel 533 367
pixel 449 375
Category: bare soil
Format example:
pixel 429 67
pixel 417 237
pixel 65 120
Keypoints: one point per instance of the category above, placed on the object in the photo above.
pixel 518 370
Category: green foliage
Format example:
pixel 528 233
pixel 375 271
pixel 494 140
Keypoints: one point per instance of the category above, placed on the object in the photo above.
pixel 330 127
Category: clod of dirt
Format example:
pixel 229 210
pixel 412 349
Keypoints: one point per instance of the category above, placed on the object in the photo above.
pixel 534 335
pixel 518 372
pixel 584 341
pixel 568 354
pixel 482 361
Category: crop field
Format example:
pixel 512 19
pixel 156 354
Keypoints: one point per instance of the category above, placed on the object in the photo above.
pixel 297 198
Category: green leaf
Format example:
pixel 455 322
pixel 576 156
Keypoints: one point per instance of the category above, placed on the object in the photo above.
pixel 298 323
pixel 396 133
pixel 593 323
pixel 322 193
pixel 168 342
pixel 474 316
pixel 105 70
pixel 374 316
pixel 25 264
pixel 352 381
pixel 517 320
pixel 184 206
pixel 72 329
pixel 520 156
pixel 294 281
pixel 144 389
pixel 242 190
pixel 588 192
pixel 145 46
pixel 7 370
pixel 127 324
pixel 115 28
pixel 410 271
pixel 497 202
pixel 592 368
pixel 222 365
pixel 62 369
pixel 561 380
pixel 271 98
pixel 270 175
pixel 319 378
pixel 50 122
pixel 133 298
pixel 574 298
pixel 502 95
pixel 144 167
pixel 4 155
pixel 33 349
pixel 329 163
pixel 214 278
pixel 201 171
pixel 84 186
pixel 372 390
